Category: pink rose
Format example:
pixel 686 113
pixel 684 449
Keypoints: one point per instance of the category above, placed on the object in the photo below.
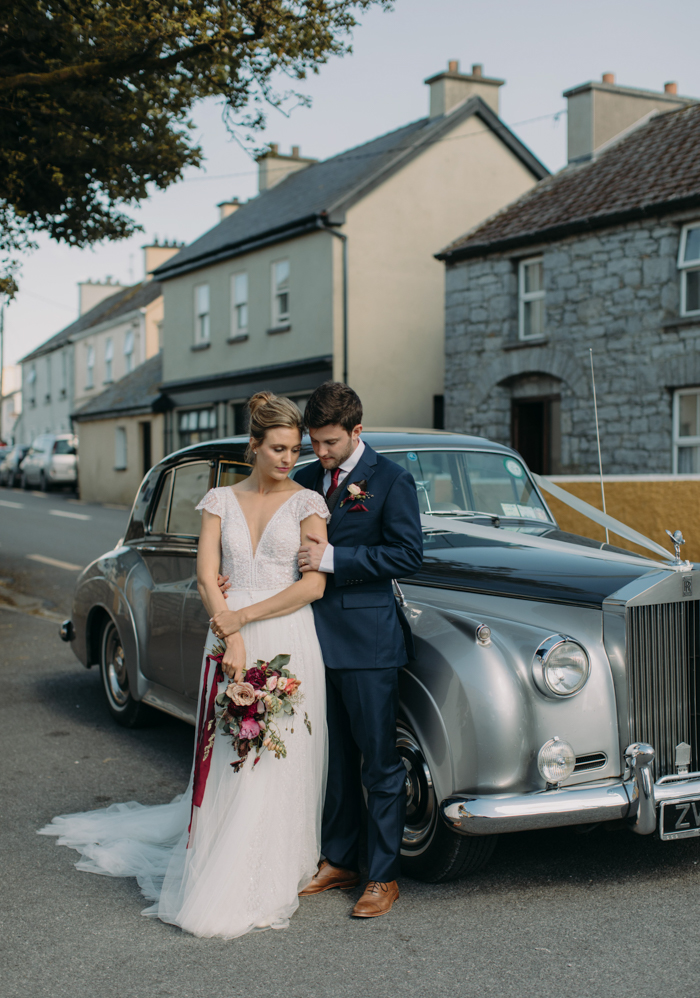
pixel 271 683
pixel 249 728
pixel 354 490
pixel 281 683
pixel 242 694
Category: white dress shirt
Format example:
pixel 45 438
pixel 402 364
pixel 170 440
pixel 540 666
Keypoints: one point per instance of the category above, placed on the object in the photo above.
pixel 345 468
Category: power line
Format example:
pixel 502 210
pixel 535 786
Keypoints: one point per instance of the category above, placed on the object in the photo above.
pixel 370 155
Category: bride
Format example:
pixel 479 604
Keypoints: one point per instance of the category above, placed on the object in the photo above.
pixel 254 838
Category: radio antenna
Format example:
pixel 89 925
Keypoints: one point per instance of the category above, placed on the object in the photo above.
pixel 597 433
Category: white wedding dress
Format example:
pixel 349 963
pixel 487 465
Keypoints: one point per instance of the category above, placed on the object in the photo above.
pixel 256 838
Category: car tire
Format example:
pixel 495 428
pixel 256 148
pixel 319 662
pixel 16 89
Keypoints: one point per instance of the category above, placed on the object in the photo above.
pixel 24 483
pixel 44 486
pixel 430 851
pixel 125 710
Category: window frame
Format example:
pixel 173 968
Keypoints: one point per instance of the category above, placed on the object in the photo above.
pixel 202 328
pixel 123 447
pixel 129 343
pixel 280 318
pixel 679 441
pixel 686 266
pixel 90 368
pixel 524 297
pixel 237 328
pixel 109 361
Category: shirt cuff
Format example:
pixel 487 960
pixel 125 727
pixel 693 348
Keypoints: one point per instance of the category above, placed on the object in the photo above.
pixel 327 561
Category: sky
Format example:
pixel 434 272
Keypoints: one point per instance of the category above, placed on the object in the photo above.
pixel 540 48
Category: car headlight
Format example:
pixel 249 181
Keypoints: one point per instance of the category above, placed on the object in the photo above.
pixel 560 667
pixel 556 760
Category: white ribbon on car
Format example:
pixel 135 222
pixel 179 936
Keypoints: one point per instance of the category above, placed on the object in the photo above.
pixel 615 526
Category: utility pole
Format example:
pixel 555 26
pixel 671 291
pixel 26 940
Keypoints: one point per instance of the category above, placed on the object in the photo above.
pixel 2 355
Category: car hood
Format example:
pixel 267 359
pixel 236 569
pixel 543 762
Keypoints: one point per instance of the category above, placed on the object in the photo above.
pixel 490 560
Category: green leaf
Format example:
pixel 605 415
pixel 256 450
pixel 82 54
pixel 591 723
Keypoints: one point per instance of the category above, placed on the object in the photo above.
pixel 279 661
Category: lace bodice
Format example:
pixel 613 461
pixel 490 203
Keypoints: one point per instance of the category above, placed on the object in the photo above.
pixel 275 563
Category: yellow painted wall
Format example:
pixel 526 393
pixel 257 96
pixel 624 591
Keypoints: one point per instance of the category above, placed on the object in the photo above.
pixel 99 480
pixel 647 503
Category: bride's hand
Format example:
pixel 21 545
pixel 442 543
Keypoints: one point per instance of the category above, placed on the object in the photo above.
pixel 225 623
pixel 233 662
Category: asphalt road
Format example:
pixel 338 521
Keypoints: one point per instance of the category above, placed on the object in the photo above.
pixel 601 915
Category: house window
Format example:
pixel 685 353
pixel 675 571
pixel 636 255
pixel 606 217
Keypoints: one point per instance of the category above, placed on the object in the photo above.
pixel 109 357
pixel 280 293
pixel 686 432
pixel 120 448
pixel 90 368
pixel 31 382
pixel 239 295
pixel 202 328
pixel 689 266
pixel 197 425
pixel 531 299
pixel 129 351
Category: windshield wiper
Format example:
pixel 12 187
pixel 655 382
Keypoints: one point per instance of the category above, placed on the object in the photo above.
pixel 459 513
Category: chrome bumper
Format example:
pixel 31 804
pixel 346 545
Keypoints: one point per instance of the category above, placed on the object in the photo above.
pixel 635 799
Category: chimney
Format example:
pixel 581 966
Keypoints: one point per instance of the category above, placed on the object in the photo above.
pixel 600 112
pixel 156 253
pixel 448 89
pixel 91 293
pixel 227 208
pixel 273 167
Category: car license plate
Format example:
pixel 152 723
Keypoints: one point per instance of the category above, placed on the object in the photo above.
pixel 679 819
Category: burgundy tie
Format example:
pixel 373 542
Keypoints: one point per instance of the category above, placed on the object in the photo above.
pixel 334 482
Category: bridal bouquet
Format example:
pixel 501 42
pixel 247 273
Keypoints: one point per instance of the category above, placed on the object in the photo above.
pixel 251 709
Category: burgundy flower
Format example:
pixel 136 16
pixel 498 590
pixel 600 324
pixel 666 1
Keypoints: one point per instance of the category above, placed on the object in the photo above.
pixel 256 677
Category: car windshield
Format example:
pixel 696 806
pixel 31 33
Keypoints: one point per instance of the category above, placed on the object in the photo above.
pixel 469 482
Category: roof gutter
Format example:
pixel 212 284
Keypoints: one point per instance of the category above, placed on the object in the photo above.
pixel 553 233
pixel 321 224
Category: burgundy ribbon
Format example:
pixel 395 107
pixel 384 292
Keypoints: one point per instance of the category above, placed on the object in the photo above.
pixel 205 732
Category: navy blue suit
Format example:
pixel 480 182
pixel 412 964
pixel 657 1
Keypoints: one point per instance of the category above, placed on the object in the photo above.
pixel 363 640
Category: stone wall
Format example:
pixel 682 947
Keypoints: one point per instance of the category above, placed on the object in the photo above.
pixel 617 291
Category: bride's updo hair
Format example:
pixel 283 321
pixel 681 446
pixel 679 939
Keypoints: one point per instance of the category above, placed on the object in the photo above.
pixel 268 411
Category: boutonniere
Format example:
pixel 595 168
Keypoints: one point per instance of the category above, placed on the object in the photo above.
pixel 358 494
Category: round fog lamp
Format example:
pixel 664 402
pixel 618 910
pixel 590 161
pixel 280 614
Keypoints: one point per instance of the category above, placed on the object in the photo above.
pixel 560 667
pixel 556 760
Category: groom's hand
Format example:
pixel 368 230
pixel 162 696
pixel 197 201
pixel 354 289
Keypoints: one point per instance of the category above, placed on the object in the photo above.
pixel 223 583
pixel 309 556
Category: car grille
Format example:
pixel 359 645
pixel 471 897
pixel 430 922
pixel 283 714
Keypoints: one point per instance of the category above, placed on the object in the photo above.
pixel 594 760
pixel 663 642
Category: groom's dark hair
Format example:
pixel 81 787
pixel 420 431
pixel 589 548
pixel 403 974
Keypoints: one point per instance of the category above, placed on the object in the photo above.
pixel 333 404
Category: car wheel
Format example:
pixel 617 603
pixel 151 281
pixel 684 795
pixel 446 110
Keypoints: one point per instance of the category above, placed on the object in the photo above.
pixel 125 710
pixel 430 851
pixel 23 482
pixel 44 486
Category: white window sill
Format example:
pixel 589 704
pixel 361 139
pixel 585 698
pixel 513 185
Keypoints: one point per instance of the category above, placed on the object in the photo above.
pixel 534 341
pixel 282 328
pixel 200 346
pixel 238 338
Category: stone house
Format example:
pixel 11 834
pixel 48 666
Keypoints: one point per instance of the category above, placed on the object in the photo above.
pixel 117 329
pixel 603 255
pixel 329 272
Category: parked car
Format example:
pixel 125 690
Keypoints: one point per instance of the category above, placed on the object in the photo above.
pixel 52 460
pixel 9 465
pixel 555 678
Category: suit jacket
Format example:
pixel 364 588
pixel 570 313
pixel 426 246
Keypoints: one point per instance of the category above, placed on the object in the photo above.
pixel 358 621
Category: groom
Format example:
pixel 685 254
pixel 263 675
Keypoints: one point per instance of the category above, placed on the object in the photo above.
pixel 374 536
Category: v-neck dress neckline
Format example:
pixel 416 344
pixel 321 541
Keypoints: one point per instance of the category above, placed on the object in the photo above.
pixel 254 553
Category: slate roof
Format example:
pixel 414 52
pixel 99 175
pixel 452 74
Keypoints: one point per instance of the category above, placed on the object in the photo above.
pixel 323 191
pixel 653 170
pixel 135 393
pixel 119 304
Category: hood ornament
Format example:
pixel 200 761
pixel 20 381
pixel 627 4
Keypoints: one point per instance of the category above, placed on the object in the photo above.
pixel 678 540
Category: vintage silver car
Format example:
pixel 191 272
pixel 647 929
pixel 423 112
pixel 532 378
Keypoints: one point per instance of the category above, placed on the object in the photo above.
pixel 555 679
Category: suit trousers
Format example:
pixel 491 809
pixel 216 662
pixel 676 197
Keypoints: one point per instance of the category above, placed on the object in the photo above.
pixel 362 707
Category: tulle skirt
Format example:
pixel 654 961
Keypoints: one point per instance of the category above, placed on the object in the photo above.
pixel 256 839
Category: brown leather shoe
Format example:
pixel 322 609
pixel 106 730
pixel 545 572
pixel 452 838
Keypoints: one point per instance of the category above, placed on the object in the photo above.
pixel 376 900
pixel 328 877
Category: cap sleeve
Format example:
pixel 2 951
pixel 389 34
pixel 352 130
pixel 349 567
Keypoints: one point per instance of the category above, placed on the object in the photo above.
pixel 212 503
pixel 312 502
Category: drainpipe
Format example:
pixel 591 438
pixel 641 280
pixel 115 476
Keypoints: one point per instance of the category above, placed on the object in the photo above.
pixel 344 239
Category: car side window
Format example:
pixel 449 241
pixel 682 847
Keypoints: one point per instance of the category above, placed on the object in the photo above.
pixel 231 473
pixel 191 483
pixel 159 520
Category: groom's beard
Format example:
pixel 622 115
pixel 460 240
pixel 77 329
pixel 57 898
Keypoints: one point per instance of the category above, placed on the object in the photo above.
pixel 337 461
